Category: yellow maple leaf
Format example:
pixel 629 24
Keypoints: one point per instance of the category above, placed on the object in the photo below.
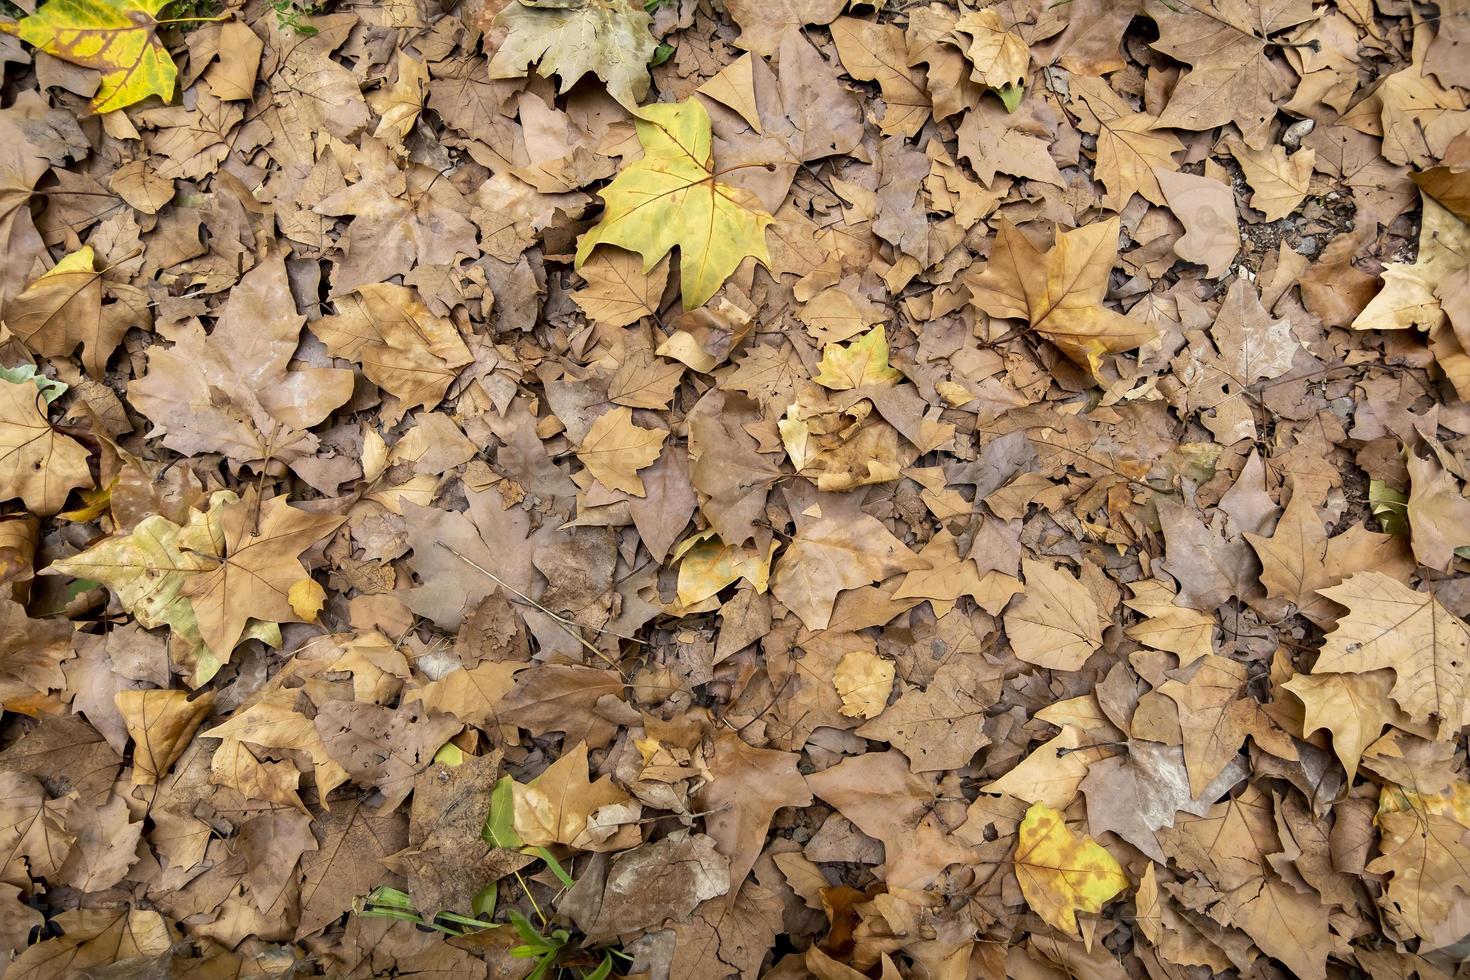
pixel 672 197
pixel 118 38
pixel 862 362
pixel 1061 874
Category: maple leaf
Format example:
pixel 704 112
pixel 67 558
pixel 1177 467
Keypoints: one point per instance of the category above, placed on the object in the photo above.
pixel 1390 625
pixel 1169 626
pixel 1059 291
pixel 609 38
pixel 98 939
pixel 37 464
pixel 950 575
pixel 615 449
pixel 942 726
pixel 1353 707
pixel 619 291
pixel 862 362
pixel 554 808
pixel 1278 182
pixel 673 197
pixel 830 555
pixel 747 786
pixel 117 38
pixel 1055 622
pixel 998 53
pixel 402 347
pixel 1061 874
pixel 63 309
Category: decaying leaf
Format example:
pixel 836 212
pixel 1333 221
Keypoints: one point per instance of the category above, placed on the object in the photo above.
pixel 1061 874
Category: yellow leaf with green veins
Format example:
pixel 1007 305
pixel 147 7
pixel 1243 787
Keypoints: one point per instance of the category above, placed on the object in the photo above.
pixel 1061 874
pixel 118 38
pixel 672 197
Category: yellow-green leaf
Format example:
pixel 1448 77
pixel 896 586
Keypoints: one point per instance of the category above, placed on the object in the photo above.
pixel 862 362
pixel 118 38
pixel 1061 874
pixel 672 197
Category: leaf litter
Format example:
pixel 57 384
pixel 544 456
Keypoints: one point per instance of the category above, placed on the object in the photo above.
pixel 699 490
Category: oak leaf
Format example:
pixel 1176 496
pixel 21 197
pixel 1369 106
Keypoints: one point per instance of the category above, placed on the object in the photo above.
pixel 615 449
pixel 608 38
pixel 37 464
pixel 1390 625
pixel 672 197
pixel 1061 874
pixel 117 38
pixel 1060 291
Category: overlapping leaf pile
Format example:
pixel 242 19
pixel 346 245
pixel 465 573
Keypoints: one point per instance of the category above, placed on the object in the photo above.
pixel 708 489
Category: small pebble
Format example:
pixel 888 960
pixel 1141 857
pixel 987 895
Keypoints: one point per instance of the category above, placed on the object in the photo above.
pixel 1307 246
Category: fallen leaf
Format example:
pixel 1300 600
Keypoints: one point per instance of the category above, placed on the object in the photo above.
pixel 116 38
pixel 671 197
pixel 1055 622
pixel 37 463
pixel 1059 291
pixel 160 723
pixel 608 38
pixel 554 808
pixel 864 682
pixel 1061 874
pixel 615 450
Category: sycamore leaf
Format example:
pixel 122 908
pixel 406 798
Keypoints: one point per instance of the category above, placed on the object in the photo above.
pixel 63 309
pixel 1278 182
pixel 863 681
pixel 118 38
pixel 37 463
pixel 1390 625
pixel 830 555
pixel 160 723
pixel 618 290
pixel 207 578
pixel 1061 874
pixel 1353 707
pixel 554 807
pixel 950 575
pixel 672 197
pixel 998 54
pixel 402 347
pixel 1410 293
pixel 615 450
pixel 1055 623
pixel 878 53
pixel 862 362
pixel 609 38
pixel 707 565
pixel 1129 146
pixel 1169 626
pixel 1060 291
